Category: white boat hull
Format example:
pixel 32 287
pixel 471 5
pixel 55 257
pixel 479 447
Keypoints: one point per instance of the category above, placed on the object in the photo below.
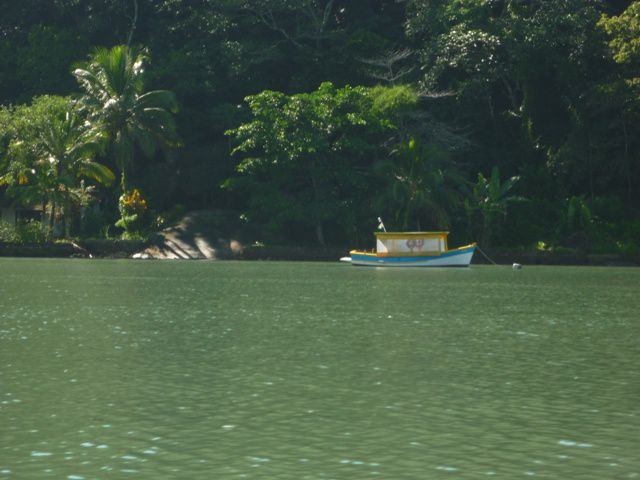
pixel 454 258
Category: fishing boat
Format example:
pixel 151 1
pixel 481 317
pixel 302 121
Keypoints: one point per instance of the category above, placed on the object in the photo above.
pixel 413 249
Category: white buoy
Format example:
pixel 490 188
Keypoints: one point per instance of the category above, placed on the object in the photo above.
pixel 516 266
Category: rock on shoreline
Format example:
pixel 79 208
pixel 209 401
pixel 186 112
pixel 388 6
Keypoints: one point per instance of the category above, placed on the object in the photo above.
pixel 218 235
pixel 230 249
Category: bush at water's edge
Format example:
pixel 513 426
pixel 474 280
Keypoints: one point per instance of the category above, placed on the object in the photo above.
pixel 98 248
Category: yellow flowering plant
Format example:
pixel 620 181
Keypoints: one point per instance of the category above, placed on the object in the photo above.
pixel 132 206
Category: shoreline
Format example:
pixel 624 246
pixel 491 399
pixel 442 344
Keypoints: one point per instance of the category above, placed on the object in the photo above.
pixel 131 249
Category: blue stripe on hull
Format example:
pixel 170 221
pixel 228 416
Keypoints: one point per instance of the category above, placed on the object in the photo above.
pixel 455 258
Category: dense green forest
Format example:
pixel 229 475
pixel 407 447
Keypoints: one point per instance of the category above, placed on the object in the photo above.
pixel 508 122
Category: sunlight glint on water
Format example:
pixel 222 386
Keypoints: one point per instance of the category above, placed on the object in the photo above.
pixel 118 369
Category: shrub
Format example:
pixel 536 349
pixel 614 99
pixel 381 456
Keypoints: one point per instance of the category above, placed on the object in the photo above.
pixel 94 223
pixel 8 233
pixel 32 231
pixel 627 249
pixel 28 231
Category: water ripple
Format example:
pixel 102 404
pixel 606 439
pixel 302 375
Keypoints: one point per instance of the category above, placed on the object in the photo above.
pixel 225 370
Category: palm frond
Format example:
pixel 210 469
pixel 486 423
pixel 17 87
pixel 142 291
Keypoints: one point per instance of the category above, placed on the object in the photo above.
pixel 95 87
pixel 98 172
pixel 164 99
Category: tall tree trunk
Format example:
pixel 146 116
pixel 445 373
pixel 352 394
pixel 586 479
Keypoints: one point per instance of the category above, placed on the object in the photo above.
pixel 407 216
pixel 316 204
pixel 320 233
pixel 134 21
pixel 52 217
pixel 68 219
pixel 626 157
pixel 589 166
pixel 44 215
pixel 487 230
pixel 123 183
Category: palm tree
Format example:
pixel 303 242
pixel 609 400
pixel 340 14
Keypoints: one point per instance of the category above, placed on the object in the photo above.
pixel 490 196
pixel 46 167
pixel 116 102
pixel 70 145
pixel 31 180
pixel 421 184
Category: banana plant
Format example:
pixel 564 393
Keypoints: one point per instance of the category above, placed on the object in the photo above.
pixel 422 185
pixel 490 197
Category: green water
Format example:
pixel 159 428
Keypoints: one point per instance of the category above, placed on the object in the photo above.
pixel 225 370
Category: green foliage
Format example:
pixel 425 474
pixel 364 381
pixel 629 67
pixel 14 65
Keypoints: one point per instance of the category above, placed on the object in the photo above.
pixel 41 61
pixel 620 96
pixel 132 208
pixel 391 102
pixel 92 223
pixel 117 104
pixel 49 152
pixel 490 198
pixel 423 186
pixel 30 231
pixel 314 143
pixel 8 233
pixel 547 91
pixel 624 34
pixel 578 217
pixel 24 122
